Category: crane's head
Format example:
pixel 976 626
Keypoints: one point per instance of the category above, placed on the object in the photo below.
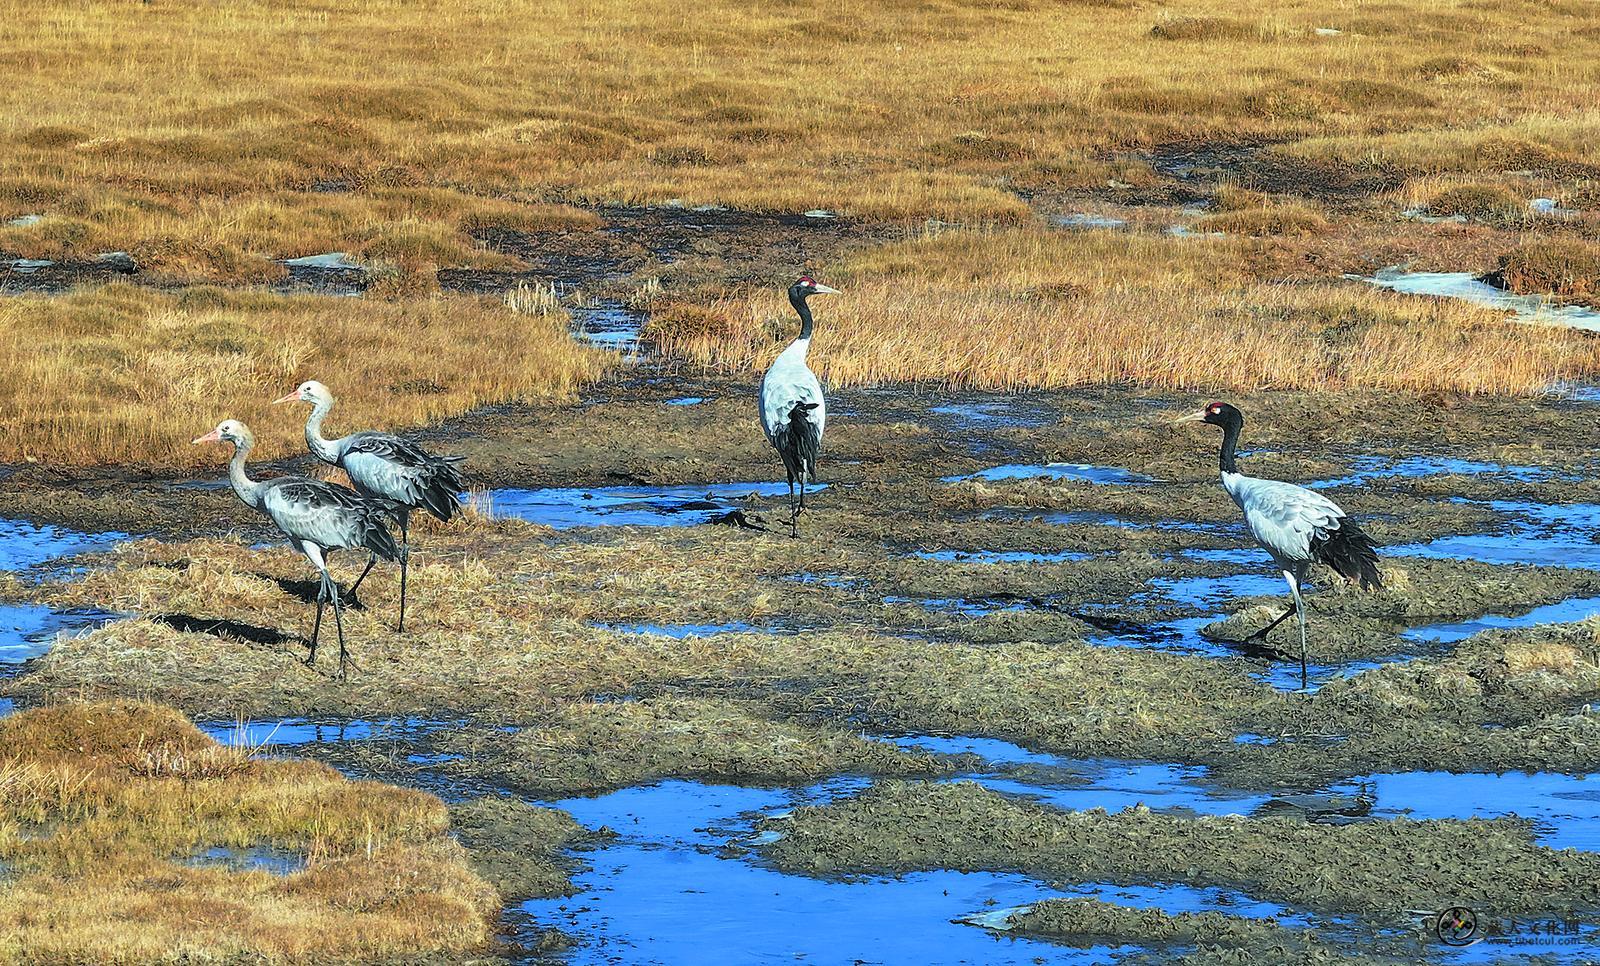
pixel 807 287
pixel 310 391
pixel 229 431
pixel 1217 414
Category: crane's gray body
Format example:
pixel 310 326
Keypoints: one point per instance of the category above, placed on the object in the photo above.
pixel 1288 521
pixel 389 468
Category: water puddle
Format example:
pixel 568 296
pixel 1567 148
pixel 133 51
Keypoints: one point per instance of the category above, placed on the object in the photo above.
pixel 1012 412
pixel 641 506
pixel 686 401
pixel 1184 231
pixel 664 893
pixel 1561 612
pixel 1078 784
pixel 290 732
pixel 836 581
pixel 1470 288
pixel 1081 221
pixel 328 261
pixel 27 266
pixel 257 858
pixel 29 630
pixel 1564 809
pixel 1082 472
pixel 1536 533
pixel 1367 469
pixel 24 545
pixel 1551 208
pixel 609 325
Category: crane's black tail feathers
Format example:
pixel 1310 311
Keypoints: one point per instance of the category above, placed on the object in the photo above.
pixel 442 486
pixel 800 443
pixel 1351 553
pixel 375 535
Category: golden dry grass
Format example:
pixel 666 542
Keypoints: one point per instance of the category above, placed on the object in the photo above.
pixel 95 839
pixel 195 137
pixel 1025 308
pixel 124 374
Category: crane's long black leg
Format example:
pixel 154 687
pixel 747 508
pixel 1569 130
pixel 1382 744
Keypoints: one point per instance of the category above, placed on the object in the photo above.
pixel 371 559
pixel 804 472
pixel 1261 634
pixel 794 515
pixel 338 619
pixel 316 625
pixel 405 566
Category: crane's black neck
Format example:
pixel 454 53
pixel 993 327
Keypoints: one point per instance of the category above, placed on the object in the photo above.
pixel 799 302
pixel 1230 440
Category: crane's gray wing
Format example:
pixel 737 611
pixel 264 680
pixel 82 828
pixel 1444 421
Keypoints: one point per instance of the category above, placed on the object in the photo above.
pixel 1285 518
pixel 395 469
pixel 329 516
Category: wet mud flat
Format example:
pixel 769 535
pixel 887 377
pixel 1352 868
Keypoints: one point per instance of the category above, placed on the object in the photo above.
pixel 1016 613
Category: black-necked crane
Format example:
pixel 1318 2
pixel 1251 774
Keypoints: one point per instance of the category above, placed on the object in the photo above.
pixel 317 517
pixel 1295 526
pixel 385 467
pixel 793 410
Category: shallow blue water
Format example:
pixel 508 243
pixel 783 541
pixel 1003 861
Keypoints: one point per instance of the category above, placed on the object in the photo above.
pixel 258 858
pixel 687 401
pixel 1565 809
pixel 608 325
pixel 288 732
pixel 1083 783
pixel 1013 411
pixel 1536 533
pixel 1367 469
pixel 1084 472
pixel 646 506
pixel 28 630
pixel 1468 287
pixel 1561 612
pixel 24 544
pixel 661 894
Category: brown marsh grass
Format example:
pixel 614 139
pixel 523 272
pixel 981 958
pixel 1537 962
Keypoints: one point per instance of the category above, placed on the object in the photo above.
pixel 100 803
pixel 205 141
pixel 124 374
pixel 1069 309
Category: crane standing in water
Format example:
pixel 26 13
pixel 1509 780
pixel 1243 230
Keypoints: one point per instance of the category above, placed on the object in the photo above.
pixel 387 468
pixel 793 410
pixel 317 517
pixel 1294 525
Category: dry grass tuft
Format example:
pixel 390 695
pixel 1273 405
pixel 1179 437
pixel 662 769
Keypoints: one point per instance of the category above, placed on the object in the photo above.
pixel 207 145
pixel 1067 309
pixel 109 881
pixel 129 375
pixel 1566 268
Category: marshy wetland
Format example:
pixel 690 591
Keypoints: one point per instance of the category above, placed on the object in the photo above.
pixel 999 702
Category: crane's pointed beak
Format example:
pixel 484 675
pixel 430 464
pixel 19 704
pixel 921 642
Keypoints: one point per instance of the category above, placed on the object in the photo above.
pixel 1197 417
pixel 215 436
pixel 287 397
pixel 822 289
